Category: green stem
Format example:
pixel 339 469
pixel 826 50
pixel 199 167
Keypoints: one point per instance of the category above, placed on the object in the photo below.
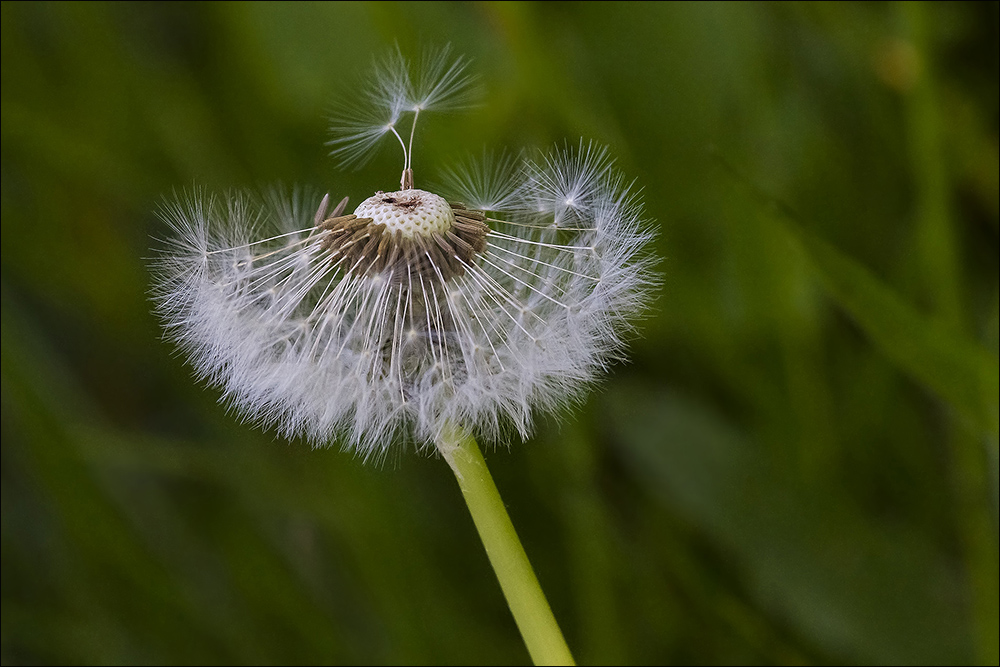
pixel 520 586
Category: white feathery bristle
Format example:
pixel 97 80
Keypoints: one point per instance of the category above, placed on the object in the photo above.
pixel 397 91
pixel 490 182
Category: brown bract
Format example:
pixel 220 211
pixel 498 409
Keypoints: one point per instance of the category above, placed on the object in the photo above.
pixel 362 247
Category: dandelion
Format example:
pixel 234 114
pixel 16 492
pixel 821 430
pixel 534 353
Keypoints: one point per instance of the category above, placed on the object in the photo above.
pixel 420 316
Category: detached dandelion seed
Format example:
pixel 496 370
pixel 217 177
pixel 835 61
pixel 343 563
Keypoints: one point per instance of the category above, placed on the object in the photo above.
pixel 417 317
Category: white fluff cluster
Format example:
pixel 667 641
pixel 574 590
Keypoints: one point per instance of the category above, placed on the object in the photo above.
pixel 374 339
pixel 395 91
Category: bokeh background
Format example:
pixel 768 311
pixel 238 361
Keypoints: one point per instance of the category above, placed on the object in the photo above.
pixel 797 465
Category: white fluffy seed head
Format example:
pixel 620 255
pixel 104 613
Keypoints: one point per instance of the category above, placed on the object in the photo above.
pixel 411 212
pixel 482 315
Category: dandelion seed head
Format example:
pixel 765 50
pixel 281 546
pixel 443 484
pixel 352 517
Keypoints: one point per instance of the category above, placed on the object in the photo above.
pixel 504 293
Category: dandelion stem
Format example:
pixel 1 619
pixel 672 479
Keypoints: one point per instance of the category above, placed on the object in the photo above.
pixel 524 595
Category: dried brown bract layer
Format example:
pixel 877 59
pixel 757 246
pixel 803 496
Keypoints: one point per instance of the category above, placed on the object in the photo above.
pixel 362 247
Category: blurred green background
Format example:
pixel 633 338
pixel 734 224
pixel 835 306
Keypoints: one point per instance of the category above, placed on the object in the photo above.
pixel 797 465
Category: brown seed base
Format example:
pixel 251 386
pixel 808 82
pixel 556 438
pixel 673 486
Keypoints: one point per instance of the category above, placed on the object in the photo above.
pixel 361 247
